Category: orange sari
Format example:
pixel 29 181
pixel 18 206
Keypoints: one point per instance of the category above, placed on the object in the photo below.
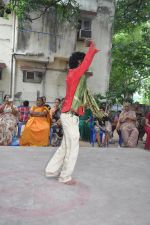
pixel 37 129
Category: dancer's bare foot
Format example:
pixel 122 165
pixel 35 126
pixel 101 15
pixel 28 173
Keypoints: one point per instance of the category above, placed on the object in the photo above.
pixel 71 182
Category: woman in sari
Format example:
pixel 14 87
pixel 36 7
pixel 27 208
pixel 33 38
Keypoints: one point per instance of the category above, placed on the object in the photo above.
pixel 127 126
pixel 56 128
pixel 8 121
pixel 37 129
pixel 84 125
pixel 147 130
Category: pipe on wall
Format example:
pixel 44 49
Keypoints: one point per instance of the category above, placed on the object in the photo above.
pixel 13 60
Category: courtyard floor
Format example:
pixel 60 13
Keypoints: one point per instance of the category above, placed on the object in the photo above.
pixel 112 188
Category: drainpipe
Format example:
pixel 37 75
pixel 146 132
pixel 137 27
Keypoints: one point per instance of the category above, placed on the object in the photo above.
pixel 13 60
pixel 44 80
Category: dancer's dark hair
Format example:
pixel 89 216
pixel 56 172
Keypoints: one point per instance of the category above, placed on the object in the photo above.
pixel 75 58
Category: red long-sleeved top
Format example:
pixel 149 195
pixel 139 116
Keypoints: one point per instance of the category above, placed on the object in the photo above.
pixel 73 78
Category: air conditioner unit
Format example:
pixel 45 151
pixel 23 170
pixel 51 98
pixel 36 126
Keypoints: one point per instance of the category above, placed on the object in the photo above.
pixel 84 34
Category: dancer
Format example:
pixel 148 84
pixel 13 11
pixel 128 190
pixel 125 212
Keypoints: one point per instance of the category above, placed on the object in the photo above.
pixel 63 162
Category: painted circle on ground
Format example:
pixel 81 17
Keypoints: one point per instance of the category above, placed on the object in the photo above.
pixel 30 194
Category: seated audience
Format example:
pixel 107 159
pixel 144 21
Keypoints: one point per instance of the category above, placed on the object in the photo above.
pixel 104 126
pixel 115 120
pixel 138 109
pixel 84 125
pixel 127 126
pixel 24 111
pixel 140 119
pixel 57 134
pixel 37 129
pixel 56 111
pixel 147 130
pixel 45 104
pixel 8 121
pixel 56 124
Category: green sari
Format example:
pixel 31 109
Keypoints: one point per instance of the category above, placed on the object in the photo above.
pixel 84 127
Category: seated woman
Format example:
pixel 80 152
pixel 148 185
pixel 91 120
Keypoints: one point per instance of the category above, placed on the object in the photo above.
pixel 103 128
pixel 84 125
pixel 57 130
pixel 57 134
pixel 37 129
pixel 147 130
pixel 8 121
pixel 45 104
pixel 115 119
pixel 127 126
pixel 140 119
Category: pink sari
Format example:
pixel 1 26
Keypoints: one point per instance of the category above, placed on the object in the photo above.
pixel 147 130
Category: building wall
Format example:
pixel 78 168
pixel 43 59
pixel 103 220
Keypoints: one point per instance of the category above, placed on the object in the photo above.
pixel 88 5
pixel 102 35
pixel 55 85
pixel 46 39
pixel 52 86
pixel 5 53
pixel 50 46
pixel 44 49
pixel 29 90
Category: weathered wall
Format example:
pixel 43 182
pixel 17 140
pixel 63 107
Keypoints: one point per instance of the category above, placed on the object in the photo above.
pixel 5 52
pixel 102 35
pixel 88 5
pixel 29 90
pixel 46 38
pixel 52 46
pixel 55 84
pixel 52 86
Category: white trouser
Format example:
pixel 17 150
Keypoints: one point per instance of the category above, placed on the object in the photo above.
pixel 64 160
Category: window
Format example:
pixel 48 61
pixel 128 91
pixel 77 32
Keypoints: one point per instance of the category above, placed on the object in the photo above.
pixel 84 24
pixel 32 76
pixel 87 25
pixel 84 29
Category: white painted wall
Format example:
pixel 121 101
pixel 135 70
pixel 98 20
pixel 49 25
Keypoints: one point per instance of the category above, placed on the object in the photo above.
pixel 88 5
pixel 5 52
pixel 101 31
pixel 43 44
pixel 101 34
pixel 55 85
pixel 29 90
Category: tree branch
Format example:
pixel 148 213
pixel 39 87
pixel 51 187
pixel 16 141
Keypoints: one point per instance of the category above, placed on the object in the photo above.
pixel 41 14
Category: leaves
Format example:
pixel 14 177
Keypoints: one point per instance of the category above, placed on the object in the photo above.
pixel 24 8
pixel 131 13
pixel 131 50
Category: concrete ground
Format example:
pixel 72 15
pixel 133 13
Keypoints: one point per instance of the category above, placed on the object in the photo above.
pixel 113 188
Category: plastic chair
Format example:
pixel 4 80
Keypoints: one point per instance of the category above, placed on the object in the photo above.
pixel 15 141
pixel 93 133
pixel 51 135
pixel 20 125
pixel 120 141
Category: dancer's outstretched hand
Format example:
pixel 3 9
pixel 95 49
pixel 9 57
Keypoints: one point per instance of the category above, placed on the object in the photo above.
pixel 88 42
